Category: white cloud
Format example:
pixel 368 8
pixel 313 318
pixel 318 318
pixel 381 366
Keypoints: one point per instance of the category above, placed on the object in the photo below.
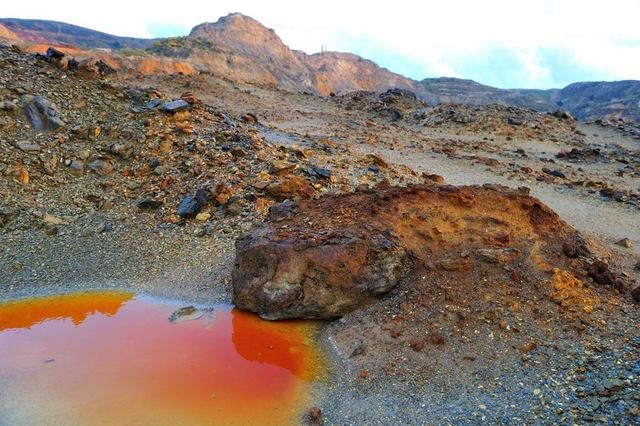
pixel 434 36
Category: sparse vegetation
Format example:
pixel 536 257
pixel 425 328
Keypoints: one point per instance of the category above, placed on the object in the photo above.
pixel 180 47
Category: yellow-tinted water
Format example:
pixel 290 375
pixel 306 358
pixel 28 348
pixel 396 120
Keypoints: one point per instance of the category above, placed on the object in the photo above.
pixel 114 358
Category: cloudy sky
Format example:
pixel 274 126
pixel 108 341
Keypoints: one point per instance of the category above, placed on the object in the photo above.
pixel 503 43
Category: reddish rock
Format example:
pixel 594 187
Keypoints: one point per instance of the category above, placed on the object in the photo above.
pixel 293 187
pixel 314 415
pixel 600 273
pixel 417 344
pixel 437 339
pixel 323 258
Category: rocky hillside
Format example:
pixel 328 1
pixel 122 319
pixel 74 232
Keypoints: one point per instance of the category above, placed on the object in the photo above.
pixel 6 34
pixel 41 31
pixel 592 100
pixel 455 90
pixel 239 48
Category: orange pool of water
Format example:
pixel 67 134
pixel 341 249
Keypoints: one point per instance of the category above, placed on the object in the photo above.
pixel 114 358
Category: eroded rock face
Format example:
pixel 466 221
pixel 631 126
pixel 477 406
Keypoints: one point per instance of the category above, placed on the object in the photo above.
pixel 321 275
pixel 323 258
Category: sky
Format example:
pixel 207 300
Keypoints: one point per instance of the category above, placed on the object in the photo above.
pixel 503 43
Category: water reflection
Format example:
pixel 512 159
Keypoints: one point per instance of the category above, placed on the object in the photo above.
pixel 75 306
pixel 120 360
pixel 282 344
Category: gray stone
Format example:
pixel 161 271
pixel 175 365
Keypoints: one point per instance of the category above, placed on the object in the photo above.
pixel 76 167
pixel 101 167
pixel 41 113
pixel 175 106
pixel 27 146
pixel 189 207
pixel 8 106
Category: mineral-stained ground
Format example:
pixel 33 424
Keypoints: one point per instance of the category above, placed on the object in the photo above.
pixel 482 262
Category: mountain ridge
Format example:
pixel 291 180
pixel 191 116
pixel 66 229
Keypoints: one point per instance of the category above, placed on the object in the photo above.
pixel 240 48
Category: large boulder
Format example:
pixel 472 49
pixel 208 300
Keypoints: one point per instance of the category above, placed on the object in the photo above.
pixel 325 257
pixel 288 275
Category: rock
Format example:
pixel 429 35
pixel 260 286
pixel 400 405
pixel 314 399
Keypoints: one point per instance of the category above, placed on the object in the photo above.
pixel 599 272
pixel 557 173
pixel 148 204
pixel 314 416
pixel 417 344
pixel 323 258
pixel 359 349
pixel 322 173
pixel 41 113
pixel 635 293
pixel 104 227
pixel 96 67
pixel 430 177
pixel 8 106
pixel 514 121
pixel 189 207
pixel 189 98
pixel 27 146
pixel 234 209
pixel 281 168
pixel 528 347
pixel 51 219
pixel 120 149
pixel 153 104
pixel 437 338
pixel 625 242
pixel 203 216
pixel 293 187
pixel 250 118
pixel 101 167
pixel 564 115
pixel 76 167
pixel 51 229
pixel 378 161
pixel 53 54
pixel 175 106
pixel 187 313
pixel 574 249
pixel 287 277
pixel 501 256
pixel 6 217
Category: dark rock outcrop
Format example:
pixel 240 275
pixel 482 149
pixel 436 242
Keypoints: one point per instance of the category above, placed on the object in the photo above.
pixel 41 113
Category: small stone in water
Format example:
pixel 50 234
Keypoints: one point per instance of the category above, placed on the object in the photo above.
pixel 186 313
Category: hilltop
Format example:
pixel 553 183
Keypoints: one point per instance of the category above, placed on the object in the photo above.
pixel 239 48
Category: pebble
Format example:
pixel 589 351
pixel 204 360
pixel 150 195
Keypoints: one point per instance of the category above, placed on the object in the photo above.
pixel 101 167
pixel 189 207
pixel 27 146
pixel 104 227
pixel 175 106
pixel 625 242
pixel 51 219
pixel 203 216
pixel 76 168
pixel 8 106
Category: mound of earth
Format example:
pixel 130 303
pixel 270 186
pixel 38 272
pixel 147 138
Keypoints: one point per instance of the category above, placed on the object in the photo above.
pixel 326 257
